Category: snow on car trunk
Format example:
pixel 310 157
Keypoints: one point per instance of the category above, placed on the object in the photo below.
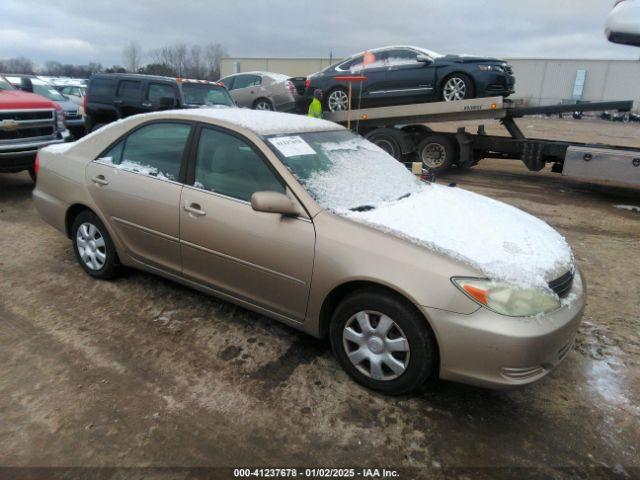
pixel 503 242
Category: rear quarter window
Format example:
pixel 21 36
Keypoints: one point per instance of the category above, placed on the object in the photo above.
pixel 102 87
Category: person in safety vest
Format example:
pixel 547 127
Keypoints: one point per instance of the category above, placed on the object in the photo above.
pixel 315 107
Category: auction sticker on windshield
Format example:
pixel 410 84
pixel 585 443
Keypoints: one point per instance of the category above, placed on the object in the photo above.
pixel 292 146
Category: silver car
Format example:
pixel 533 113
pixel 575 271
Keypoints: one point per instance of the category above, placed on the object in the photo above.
pixel 74 93
pixel 266 91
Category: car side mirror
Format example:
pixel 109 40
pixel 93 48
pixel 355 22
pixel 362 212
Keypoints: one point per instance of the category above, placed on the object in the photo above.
pixel 273 202
pixel 423 59
pixel 167 102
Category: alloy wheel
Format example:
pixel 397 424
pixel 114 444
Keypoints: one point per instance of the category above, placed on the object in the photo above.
pixel 376 345
pixel 91 246
pixel 263 105
pixel 454 89
pixel 338 101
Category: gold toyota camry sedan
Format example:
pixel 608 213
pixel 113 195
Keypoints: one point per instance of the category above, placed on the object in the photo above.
pixel 308 223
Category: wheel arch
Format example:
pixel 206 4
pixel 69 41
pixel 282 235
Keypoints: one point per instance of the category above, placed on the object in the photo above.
pixel 72 212
pixel 341 291
pixel 457 72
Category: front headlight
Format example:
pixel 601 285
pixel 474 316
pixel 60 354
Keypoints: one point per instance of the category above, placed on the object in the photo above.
pixel 491 68
pixel 508 299
pixel 60 121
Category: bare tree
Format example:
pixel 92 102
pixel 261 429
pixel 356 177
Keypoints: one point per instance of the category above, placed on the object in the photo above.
pixel 16 65
pixel 213 52
pixel 132 57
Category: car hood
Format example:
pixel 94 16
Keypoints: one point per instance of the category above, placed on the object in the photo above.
pixel 67 105
pixel 447 59
pixel 501 241
pixel 16 99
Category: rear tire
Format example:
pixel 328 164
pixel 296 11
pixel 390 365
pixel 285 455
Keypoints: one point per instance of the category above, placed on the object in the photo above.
pixel 337 100
pixel 437 152
pixel 396 338
pixel 93 246
pixel 263 104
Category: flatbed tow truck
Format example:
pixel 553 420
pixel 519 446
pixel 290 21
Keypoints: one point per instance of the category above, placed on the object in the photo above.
pixel 403 131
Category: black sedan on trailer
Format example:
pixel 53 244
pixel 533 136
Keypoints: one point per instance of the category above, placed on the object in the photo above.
pixel 405 74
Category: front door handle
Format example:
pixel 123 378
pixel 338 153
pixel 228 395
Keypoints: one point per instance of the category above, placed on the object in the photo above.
pixel 100 180
pixel 194 209
pixel 146 104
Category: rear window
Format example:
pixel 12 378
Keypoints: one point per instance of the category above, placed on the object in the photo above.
pixel 102 87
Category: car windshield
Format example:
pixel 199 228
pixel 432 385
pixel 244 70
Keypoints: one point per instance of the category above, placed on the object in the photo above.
pixel 206 94
pixel 4 85
pixel 47 90
pixel 343 171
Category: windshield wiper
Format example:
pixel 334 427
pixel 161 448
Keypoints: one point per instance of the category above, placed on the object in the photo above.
pixel 362 208
pixel 406 195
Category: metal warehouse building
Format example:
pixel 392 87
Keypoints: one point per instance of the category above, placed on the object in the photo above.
pixel 539 81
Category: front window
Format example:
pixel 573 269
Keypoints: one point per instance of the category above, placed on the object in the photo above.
pixel 4 85
pixel 160 90
pixel 230 166
pixel 342 171
pixel 204 94
pixel 46 90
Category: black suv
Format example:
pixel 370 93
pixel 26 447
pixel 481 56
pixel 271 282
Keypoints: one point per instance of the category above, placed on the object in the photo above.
pixel 111 96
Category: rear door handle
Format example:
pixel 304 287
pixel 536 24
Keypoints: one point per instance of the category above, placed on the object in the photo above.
pixel 194 209
pixel 117 102
pixel 100 180
pixel 146 104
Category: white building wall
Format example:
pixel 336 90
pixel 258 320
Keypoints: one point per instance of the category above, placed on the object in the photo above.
pixel 538 81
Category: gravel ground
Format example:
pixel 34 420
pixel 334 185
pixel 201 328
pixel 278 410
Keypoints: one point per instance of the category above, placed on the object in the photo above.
pixel 142 372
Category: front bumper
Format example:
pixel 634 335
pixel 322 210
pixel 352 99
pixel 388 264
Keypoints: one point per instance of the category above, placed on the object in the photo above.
pixel 492 83
pixel 16 157
pixel 495 351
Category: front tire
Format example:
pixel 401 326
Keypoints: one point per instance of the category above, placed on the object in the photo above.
pixel 382 342
pixel 93 246
pixel 457 87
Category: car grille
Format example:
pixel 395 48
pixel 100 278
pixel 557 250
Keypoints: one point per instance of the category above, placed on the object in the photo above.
pixel 17 125
pixel 562 285
pixel 71 114
pixel 27 115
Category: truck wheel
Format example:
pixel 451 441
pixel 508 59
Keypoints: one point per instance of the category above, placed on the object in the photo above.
pixel 382 342
pixel 388 139
pixel 437 152
pixel 457 86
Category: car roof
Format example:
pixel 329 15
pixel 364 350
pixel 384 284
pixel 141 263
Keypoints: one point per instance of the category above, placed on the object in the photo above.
pixel 260 122
pixel 431 53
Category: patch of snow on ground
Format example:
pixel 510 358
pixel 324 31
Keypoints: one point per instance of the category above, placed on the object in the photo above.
pixel 631 208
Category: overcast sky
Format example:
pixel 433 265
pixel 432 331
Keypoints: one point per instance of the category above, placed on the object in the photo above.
pixel 82 31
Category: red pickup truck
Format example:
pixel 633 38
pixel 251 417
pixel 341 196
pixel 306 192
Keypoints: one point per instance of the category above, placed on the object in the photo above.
pixel 28 122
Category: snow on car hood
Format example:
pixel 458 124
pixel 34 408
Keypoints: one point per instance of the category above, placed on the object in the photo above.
pixel 501 241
